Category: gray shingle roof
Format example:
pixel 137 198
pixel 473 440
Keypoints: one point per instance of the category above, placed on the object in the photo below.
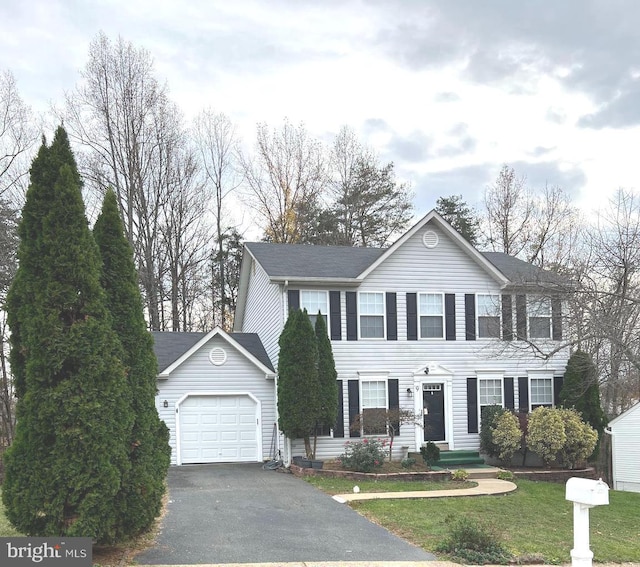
pixel 170 346
pixel 307 261
pixel 520 272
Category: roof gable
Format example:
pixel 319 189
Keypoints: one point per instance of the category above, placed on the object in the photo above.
pixel 632 410
pixel 173 348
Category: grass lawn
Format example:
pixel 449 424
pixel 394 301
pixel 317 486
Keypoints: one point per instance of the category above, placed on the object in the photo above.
pixel 535 520
pixel 345 486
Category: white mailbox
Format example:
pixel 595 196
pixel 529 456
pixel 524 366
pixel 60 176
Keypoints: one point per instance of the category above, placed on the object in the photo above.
pixel 587 492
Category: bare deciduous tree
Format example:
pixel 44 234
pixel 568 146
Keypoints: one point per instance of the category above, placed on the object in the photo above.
pixel 217 144
pixel 285 177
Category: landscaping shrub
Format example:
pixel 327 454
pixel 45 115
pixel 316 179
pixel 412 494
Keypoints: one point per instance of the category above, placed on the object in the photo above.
pixel 546 435
pixel 364 456
pixel 506 436
pixel 473 542
pixel 430 453
pixel 460 475
pixel 506 475
pixel 581 439
pixel 408 463
pixel 490 415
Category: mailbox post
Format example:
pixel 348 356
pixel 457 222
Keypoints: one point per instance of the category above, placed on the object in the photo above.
pixel 585 494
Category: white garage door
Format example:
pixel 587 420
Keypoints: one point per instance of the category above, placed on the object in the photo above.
pixel 218 429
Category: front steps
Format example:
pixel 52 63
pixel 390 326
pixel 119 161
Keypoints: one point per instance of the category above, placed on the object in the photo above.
pixel 470 461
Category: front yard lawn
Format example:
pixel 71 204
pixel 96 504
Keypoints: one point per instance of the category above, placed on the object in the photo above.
pixel 345 486
pixel 535 521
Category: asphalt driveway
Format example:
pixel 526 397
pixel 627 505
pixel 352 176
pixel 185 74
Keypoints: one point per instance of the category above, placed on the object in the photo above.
pixel 244 514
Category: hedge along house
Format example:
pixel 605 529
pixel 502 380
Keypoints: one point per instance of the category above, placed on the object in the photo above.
pixel 625 450
pixel 216 393
pixel 429 324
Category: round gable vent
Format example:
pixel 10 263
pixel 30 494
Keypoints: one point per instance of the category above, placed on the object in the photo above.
pixel 430 239
pixel 217 356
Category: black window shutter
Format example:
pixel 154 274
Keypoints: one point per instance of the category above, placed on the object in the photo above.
pixel 523 394
pixel 557 386
pixel 507 318
pixel 294 299
pixel 472 405
pixel 354 405
pixel 450 316
pixel 470 319
pixel 334 316
pixel 508 394
pixel 521 317
pixel 394 401
pixel 338 428
pixel 352 315
pixel 556 318
pixel 412 316
pixel 392 317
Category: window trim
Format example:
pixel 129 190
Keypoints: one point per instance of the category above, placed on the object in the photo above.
pixel 327 314
pixel 540 376
pixel 478 316
pixel 531 301
pixel 383 315
pixel 442 316
pixel 377 377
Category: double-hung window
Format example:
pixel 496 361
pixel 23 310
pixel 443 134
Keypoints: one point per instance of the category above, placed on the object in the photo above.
pixel 489 393
pixel 539 310
pixel 374 402
pixel 541 392
pixel 431 311
pixel 488 310
pixel 315 302
pixel 371 315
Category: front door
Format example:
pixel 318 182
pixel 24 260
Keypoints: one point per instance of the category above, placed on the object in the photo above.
pixel 433 404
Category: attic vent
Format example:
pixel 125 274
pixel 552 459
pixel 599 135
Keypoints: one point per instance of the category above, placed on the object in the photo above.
pixel 217 356
pixel 430 239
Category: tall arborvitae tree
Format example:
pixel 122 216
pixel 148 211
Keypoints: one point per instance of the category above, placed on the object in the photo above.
pixel 140 498
pixel 298 396
pixel 580 390
pixel 327 375
pixel 64 469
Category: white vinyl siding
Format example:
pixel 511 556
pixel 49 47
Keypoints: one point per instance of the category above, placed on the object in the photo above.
pixel 625 450
pixel 314 302
pixel 488 314
pixel 539 312
pixel 431 315
pixel 371 310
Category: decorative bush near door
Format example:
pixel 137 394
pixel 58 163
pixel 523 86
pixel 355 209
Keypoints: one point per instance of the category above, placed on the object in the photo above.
pixel 364 456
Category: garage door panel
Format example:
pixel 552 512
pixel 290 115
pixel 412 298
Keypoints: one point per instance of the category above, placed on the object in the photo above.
pixel 218 429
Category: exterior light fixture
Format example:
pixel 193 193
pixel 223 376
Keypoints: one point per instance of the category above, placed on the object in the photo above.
pixel 426 370
pixel 165 404
pixel 410 392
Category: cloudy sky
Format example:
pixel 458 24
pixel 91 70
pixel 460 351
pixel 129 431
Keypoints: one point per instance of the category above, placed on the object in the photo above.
pixel 449 90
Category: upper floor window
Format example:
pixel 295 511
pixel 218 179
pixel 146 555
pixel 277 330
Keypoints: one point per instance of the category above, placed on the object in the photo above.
pixel 539 311
pixel 371 315
pixel 541 392
pixel 431 312
pixel 315 302
pixel 488 311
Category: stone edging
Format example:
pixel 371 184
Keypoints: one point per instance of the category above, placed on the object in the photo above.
pixel 351 475
pixel 554 475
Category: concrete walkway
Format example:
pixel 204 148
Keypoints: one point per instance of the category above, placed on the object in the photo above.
pixel 486 487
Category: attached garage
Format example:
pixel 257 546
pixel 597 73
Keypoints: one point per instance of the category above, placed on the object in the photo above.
pixel 625 450
pixel 216 393
pixel 218 428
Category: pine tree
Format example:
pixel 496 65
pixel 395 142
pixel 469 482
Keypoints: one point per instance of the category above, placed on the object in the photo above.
pixel 64 468
pixel 327 376
pixel 298 396
pixel 580 390
pixel 140 498
pixel 460 216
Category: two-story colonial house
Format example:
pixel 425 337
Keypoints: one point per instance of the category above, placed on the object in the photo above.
pixel 429 324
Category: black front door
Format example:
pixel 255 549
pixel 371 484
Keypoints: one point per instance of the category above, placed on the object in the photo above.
pixel 433 403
